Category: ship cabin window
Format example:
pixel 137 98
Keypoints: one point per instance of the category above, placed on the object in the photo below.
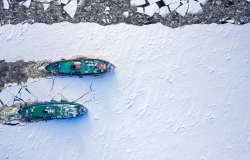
pixel 49 109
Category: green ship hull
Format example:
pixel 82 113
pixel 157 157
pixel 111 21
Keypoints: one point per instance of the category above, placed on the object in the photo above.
pixel 80 67
pixel 53 110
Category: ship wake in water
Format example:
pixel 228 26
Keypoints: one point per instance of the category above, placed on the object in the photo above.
pixel 19 71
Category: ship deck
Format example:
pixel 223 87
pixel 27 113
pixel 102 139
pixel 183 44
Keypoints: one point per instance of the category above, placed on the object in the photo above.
pixel 60 110
pixel 85 67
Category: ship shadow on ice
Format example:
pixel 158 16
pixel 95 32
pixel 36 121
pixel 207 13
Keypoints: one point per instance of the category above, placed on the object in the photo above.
pixel 81 121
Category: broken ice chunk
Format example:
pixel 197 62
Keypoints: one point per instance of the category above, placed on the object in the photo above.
pixel 137 2
pixel 45 6
pixel 70 8
pixel 106 10
pixel 182 10
pixel 20 3
pixel 184 1
pixel 152 1
pixel 27 3
pixel 6 4
pixel 202 1
pixel 150 10
pixel 64 1
pixel 164 11
pixel 168 2
pixel 173 6
pixel 230 21
pixel 140 10
pixel 194 7
pixel 46 1
pixel 125 14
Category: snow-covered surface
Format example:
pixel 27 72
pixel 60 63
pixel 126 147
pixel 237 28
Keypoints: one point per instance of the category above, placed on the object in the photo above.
pixel 71 7
pixel 6 4
pixel 175 93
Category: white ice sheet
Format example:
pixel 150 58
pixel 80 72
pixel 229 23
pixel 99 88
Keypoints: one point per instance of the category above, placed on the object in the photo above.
pixel 174 94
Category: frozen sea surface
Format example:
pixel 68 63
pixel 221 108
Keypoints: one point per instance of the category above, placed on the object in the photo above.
pixel 175 94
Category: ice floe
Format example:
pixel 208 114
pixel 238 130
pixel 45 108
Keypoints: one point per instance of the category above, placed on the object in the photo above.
pixel 107 10
pixel 64 1
pixel 20 3
pixel 174 6
pixel 140 10
pixel 45 6
pixel 230 21
pixel 150 7
pixel 194 7
pixel 70 8
pixel 182 10
pixel 168 2
pixel 202 1
pixel 164 11
pixel 137 2
pixel 27 3
pixel 45 1
pixel 126 14
pixel 152 1
pixel 6 4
